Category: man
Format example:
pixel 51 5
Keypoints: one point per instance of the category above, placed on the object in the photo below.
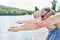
pixel 45 18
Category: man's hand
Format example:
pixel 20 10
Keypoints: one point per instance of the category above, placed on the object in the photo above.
pixel 14 29
pixel 20 21
pixel 29 26
pixel 24 21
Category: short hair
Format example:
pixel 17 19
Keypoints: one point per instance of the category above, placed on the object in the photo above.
pixel 49 10
pixel 53 12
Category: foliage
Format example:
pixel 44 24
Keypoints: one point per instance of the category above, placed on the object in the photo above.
pixel 54 2
pixel 36 8
pixel 59 9
pixel 4 10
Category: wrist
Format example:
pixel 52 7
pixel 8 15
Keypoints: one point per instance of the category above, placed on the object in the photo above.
pixel 37 23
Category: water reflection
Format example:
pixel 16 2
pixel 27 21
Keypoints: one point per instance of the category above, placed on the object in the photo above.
pixel 6 22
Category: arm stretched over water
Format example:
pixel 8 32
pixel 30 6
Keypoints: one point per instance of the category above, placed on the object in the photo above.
pixel 36 24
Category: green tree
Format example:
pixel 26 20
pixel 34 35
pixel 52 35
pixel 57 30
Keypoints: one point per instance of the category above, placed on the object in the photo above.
pixel 36 8
pixel 54 2
pixel 59 9
pixel 5 10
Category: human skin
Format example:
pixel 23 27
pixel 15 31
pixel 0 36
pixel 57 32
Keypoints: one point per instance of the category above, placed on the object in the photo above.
pixel 37 23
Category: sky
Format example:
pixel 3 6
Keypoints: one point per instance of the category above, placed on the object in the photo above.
pixel 28 4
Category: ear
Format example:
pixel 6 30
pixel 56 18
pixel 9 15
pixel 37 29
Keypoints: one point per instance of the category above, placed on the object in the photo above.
pixel 37 14
pixel 51 12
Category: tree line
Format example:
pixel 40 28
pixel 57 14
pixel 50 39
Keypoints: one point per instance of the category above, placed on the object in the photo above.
pixel 4 10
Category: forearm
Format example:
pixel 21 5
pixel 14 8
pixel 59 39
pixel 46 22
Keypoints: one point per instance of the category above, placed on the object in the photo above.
pixel 31 26
pixel 24 21
pixel 36 24
pixel 51 20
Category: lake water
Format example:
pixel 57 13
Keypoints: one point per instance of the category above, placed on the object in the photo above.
pixel 8 21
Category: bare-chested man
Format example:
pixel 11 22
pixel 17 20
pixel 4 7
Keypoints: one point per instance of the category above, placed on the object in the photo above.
pixel 44 18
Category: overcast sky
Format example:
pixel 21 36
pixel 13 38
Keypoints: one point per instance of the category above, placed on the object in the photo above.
pixel 28 4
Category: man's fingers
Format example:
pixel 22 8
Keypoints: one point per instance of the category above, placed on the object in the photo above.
pixel 18 22
pixel 13 30
pixel 13 27
pixel 10 30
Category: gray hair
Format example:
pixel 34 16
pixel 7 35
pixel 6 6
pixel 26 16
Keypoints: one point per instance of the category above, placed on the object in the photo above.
pixel 47 10
pixel 53 12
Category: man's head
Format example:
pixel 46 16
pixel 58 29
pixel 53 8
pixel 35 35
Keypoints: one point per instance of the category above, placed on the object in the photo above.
pixel 44 13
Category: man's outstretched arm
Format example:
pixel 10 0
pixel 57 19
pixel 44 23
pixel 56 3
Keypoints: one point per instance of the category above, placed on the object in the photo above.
pixel 29 26
pixel 36 24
